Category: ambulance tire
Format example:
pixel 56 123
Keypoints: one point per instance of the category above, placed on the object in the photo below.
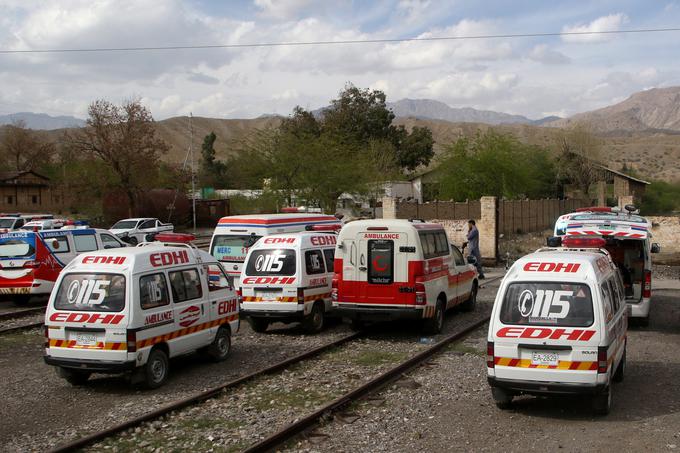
pixel 469 304
pixel 602 403
pixel 74 377
pixel 433 325
pixel 315 321
pixel 621 370
pixel 220 347
pixel 156 368
pixel 502 398
pixel 259 325
pixel 132 241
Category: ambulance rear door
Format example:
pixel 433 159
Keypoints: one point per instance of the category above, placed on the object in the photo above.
pixel 547 331
pixel 382 267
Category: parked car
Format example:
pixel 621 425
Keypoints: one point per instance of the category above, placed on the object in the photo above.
pixel 134 231
pixel 44 224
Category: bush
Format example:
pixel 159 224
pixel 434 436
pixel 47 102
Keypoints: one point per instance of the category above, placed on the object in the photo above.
pixel 661 198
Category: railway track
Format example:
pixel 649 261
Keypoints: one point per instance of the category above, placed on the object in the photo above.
pixel 21 312
pixel 283 435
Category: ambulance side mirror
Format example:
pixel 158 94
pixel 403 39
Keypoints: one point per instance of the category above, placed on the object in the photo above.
pixel 656 248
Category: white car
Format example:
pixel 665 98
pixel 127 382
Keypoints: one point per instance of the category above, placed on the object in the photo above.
pixel 44 224
pixel 558 325
pixel 134 231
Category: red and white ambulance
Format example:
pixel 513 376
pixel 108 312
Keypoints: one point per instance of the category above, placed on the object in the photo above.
pixel 30 262
pixel 287 278
pixel 390 269
pixel 131 309
pixel 558 325
pixel 234 235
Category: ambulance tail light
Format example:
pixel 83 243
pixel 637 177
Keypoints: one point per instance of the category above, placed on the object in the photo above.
pixel 46 330
pixel 647 286
pixel 131 341
pixel 572 242
pixel 421 296
pixel 490 359
pixel 334 290
pixel 239 296
pixel 300 296
pixel 602 360
pixel 32 264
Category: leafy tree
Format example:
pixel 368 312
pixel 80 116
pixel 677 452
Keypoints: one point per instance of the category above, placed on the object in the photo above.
pixel 212 170
pixel 22 149
pixel 579 155
pixel 661 198
pixel 124 138
pixel 495 164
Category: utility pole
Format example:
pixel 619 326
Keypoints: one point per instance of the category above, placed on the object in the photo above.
pixel 193 169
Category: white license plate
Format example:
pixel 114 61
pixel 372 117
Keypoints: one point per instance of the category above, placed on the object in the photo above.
pixel 273 295
pixel 545 358
pixel 86 339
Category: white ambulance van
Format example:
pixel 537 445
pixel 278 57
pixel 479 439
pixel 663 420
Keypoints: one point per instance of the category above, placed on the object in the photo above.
pixel 131 309
pixel 287 278
pixel 629 242
pixel 391 269
pixel 558 325
pixel 234 235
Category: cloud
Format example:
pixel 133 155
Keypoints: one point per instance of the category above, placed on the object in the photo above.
pixel 543 54
pixel 202 78
pixel 459 87
pixel 282 9
pixel 612 22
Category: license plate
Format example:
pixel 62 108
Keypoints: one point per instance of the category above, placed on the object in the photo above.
pixel 269 295
pixel 544 358
pixel 86 339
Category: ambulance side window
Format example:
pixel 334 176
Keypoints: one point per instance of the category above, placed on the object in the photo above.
pixel 607 300
pixel 85 242
pixel 217 279
pixel 616 297
pixel 153 291
pixel 185 284
pixel 314 262
pixel 457 256
pixel 57 244
pixel 329 254
pixel 109 242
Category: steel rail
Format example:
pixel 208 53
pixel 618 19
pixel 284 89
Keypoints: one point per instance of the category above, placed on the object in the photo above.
pixel 21 312
pixel 292 430
pixel 21 327
pixel 199 397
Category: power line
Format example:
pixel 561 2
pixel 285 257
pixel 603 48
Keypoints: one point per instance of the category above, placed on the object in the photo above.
pixel 347 41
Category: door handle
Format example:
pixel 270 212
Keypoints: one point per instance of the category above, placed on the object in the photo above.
pixel 201 309
pixel 363 268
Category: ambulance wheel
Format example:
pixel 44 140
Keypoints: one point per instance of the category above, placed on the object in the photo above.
pixel 469 304
pixel 501 397
pixel 156 368
pixel 434 324
pixel 74 377
pixel 314 322
pixel 221 345
pixel 602 403
pixel 259 325
pixel 133 240
pixel 621 370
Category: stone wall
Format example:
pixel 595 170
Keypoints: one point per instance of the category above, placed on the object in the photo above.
pixel 666 231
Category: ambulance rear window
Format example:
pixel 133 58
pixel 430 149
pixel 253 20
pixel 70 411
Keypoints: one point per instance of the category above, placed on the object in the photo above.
pixel 15 248
pixel 380 262
pixel 232 248
pixel 271 262
pixel 91 292
pixel 547 304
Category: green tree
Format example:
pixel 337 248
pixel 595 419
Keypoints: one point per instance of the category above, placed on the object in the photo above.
pixel 579 157
pixel 661 198
pixel 23 149
pixel 212 171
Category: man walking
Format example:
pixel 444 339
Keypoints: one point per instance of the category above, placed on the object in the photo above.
pixel 473 242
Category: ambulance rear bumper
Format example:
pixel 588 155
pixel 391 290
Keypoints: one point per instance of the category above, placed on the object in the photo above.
pixel 546 388
pixel 98 366
pixel 273 314
pixel 366 312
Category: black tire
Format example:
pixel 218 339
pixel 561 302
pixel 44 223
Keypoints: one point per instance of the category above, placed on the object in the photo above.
pixel 471 302
pixel 602 403
pixel 259 325
pixel 621 370
pixel 132 240
pixel 433 325
pixel 156 369
pixel 502 398
pixel 221 345
pixel 74 377
pixel 315 321
pixel 21 299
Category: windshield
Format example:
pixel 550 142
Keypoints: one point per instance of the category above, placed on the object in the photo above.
pixel 547 304
pixel 17 245
pixel 271 262
pixel 125 225
pixel 7 223
pixel 91 292
pixel 232 248
pixel 609 216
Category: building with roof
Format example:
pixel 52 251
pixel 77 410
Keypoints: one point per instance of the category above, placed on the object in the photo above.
pixel 27 191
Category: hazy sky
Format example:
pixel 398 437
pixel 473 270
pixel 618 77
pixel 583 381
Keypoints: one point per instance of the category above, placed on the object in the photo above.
pixel 530 76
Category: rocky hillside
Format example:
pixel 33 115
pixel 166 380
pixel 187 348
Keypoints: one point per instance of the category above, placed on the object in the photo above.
pixel 656 109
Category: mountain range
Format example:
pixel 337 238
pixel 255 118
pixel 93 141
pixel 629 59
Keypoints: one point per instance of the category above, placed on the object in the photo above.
pixel 41 121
